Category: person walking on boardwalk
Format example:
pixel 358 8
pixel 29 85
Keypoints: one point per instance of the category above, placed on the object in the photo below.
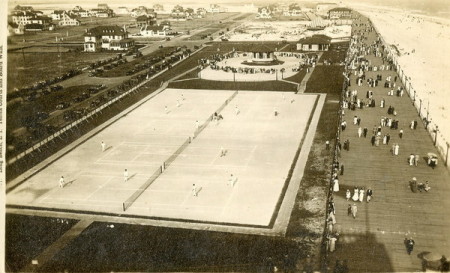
pixel 400 134
pixel 332 243
pixel 348 194
pixel 125 175
pixel 342 169
pixel 360 131
pixel 354 210
pixel 355 194
pixel 103 146
pixel 361 194
pixel 349 210
pixel 409 243
pixel 335 185
pixel 223 152
pixel 232 180
pixel 61 181
pixel 365 131
pixel 197 124
pixel 369 194
pixel 236 110
pixel 194 190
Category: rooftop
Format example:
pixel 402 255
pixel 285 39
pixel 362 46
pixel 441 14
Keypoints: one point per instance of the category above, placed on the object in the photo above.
pixel 105 30
pixel 316 39
pixel 340 9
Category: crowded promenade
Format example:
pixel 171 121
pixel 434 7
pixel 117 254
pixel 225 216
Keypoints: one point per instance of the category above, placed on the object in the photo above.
pixel 389 188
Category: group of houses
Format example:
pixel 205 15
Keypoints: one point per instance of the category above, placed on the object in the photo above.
pixel 329 10
pixel 25 18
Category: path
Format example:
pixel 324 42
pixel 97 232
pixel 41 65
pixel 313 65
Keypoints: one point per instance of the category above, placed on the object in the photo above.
pixel 302 86
pixel 374 241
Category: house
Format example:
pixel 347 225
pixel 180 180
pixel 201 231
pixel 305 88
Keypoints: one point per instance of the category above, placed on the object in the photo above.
pixel 190 13
pixel 140 11
pixel 102 13
pixel 69 20
pixel 107 38
pixel 145 20
pixel 178 14
pixel 201 13
pixel 22 17
pixel 103 6
pixel 340 13
pixel 45 21
pixel 153 31
pixel 264 13
pixel 316 42
pixel 158 7
pixel 214 8
pixel 322 8
pixel 15 29
pixel 84 13
pixel 57 14
pixel 165 24
pixel 80 12
pixel 122 10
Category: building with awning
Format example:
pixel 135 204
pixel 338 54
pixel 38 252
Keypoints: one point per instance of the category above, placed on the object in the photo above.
pixel 340 13
pixel 316 42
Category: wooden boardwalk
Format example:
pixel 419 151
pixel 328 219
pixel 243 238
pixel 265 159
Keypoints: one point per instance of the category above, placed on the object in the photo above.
pixel 374 241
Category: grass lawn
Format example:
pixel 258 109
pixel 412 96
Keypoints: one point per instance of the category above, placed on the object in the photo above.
pixel 28 68
pixel 307 221
pixel 297 77
pixel 242 16
pixel 326 79
pixel 229 85
pixel 153 249
pixel 28 236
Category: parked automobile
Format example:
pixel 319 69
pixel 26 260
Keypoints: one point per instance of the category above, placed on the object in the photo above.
pixel 62 105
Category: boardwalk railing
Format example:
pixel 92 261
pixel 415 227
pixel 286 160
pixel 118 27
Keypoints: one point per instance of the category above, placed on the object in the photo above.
pixel 421 104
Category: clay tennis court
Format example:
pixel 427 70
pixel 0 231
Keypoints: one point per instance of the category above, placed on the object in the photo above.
pixel 260 148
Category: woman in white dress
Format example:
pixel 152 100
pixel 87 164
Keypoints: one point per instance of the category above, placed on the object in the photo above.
pixel 361 195
pixel 348 195
pixel 396 148
pixel 355 194
pixel 335 185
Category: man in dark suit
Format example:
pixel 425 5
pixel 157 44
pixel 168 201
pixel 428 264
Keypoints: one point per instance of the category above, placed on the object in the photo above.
pixel 409 243
pixel 369 194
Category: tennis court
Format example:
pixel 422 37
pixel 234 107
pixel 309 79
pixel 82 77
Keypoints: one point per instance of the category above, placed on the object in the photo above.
pixel 259 149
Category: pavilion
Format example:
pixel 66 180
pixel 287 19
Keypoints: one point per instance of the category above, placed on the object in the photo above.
pixel 316 42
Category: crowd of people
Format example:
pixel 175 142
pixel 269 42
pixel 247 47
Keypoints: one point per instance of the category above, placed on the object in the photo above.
pixel 218 61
